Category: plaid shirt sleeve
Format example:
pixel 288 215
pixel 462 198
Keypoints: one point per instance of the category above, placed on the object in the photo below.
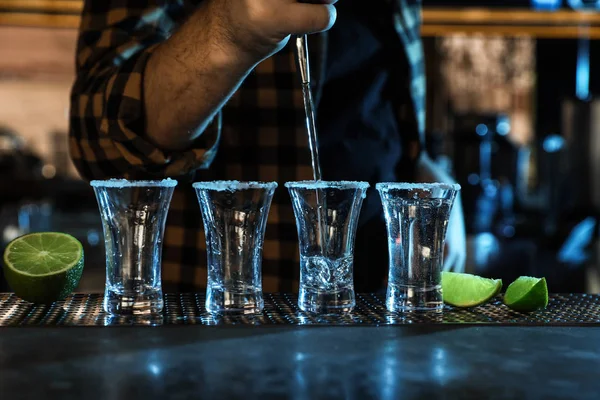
pixel 107 118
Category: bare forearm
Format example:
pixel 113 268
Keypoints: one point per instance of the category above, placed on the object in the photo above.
pixel 188 79
pixel 191 75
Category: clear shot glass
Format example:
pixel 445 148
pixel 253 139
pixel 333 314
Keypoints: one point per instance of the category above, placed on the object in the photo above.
pixel 235 218
pixel 326 219
pixel 133 219
pixel 416 216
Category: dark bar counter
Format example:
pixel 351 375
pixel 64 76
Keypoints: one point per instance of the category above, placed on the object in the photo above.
pixel 488 352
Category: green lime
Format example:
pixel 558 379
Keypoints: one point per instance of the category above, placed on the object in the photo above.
pixel 467 290
pixel 527 294
pixel 43 267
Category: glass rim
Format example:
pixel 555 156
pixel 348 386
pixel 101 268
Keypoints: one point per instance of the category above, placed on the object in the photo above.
pixel 327 185
pixel 222 186
pixel 382 186
pixel 126 183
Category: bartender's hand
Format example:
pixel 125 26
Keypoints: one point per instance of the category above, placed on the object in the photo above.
pixel 260 28
pixel 455 254
pixel 192 74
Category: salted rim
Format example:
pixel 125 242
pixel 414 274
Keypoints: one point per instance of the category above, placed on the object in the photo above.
pixel 327 185
pixel 125 183
pixel 222 186
pixel 410 186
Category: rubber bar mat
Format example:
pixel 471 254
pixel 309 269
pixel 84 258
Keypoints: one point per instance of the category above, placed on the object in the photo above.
pixel 281 309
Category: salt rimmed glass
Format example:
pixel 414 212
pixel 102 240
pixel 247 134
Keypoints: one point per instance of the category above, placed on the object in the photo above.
pixel 417 217
pixel 133 220
pixel 326 220
pixel 235 218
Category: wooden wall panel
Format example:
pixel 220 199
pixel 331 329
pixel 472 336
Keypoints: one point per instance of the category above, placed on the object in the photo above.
pixel 36 74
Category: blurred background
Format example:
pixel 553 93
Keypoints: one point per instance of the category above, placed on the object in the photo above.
pixel 511 113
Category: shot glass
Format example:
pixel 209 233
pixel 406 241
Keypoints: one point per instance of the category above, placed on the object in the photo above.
pixel 235 217
pixel 416 216
pixel 133 220
pixel 326 219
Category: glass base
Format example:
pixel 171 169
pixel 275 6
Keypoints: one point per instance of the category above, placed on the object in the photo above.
pixel 407 298
pixel 326 303
pixel 148 302
pixel 223 301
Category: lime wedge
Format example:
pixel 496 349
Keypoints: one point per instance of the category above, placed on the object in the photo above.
pixel 527 294
pixel 43 267
pixel 467 290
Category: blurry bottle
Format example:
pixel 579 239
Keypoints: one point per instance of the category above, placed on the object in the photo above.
pixel 584 5
pixel 60 153
pixel 546 5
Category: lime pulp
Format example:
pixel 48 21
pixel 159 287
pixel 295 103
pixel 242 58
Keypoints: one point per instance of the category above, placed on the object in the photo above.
pixel 43 267
pixel 527 294
pixel 467 290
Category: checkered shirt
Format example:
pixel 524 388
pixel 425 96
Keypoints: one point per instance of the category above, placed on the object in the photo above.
pixel 259 135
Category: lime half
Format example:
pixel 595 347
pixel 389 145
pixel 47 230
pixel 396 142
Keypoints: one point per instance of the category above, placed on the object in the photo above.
pixel 467 290
pixel 43 267
pixel 527 294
